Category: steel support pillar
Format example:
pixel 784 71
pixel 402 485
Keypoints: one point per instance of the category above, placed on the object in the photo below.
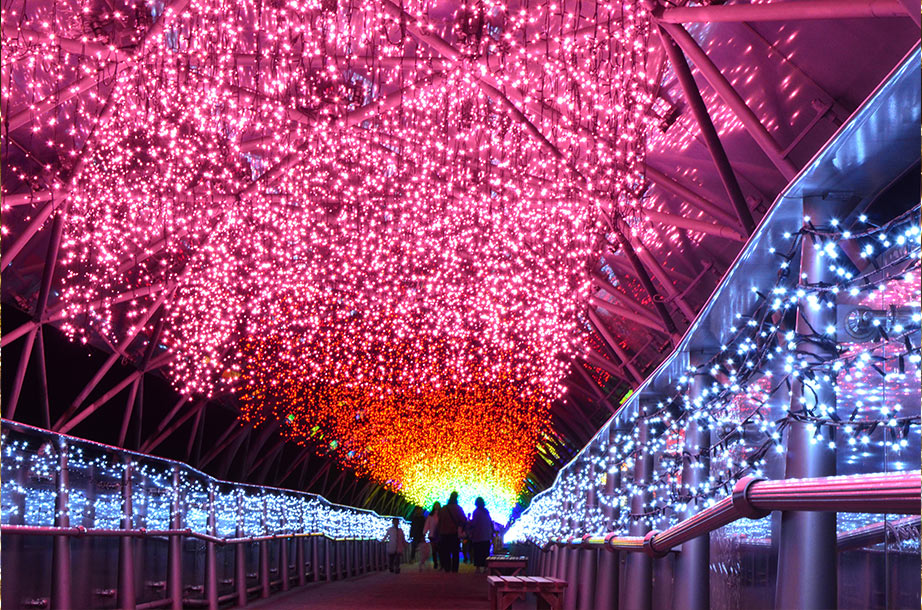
pixel 284 543
pixel 663 576
pixel 327 559
pixel 211 558
pixel 806 564
pixel 587 583
pixel 656 268
pixel 692 567
pixel 606 597
pixel 240 562
pixel 571 593
pixel 563 558
pixel 647 283
pixel 61 566
pixel 639 566
pixel 350 558
pixel 300 559
pixel 338 558
pixel 283 562
pixel 315 558
pixel 332 559
pixel 126 576
pixel 559 564
pixel 21 367
pixel 264 583
pixel 613 345
pixel 174 559
pixel 587 558
pixel 709 133
pixel 731 98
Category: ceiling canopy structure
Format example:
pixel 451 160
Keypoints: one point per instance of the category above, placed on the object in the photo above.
pixel 382 250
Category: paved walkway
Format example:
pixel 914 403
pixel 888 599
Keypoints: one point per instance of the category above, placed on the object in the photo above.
pixel 409 590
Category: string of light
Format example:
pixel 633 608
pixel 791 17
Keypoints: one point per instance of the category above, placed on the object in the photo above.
pixel 750 380
pixel 362 234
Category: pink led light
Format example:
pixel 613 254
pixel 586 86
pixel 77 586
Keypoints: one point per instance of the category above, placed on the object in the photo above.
pixel 260 163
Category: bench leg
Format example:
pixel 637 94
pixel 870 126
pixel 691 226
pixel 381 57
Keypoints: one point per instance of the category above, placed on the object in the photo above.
pixel 508 598
pixel 550 601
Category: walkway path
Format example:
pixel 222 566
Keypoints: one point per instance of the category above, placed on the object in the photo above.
pixel 409 590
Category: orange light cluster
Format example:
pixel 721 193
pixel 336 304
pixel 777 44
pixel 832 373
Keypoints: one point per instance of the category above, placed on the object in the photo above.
pixel 479 438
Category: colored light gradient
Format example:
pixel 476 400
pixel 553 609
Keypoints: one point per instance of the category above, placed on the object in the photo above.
pixel 382 246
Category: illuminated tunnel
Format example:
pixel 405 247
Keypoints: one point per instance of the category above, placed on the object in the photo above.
pixel 641 278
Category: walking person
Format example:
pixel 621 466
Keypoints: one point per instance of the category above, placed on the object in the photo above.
pixel 396 543
pixel 481 534
pixel 416 531
pixel 451 522
pixel 431 531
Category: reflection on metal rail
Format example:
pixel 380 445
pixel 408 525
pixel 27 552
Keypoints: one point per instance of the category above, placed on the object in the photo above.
pixel 79 532
pixel 885 493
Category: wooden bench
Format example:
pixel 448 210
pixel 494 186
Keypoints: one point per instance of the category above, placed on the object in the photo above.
pixel 505 565
pixel 505 590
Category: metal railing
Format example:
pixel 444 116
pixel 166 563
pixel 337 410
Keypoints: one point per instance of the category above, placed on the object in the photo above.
pixel 765 384
pixel 75 491
pixel 752 498
pixel 342 558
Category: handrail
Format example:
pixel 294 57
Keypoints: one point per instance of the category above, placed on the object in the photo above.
pixel 80 531
pixel 34 433
pixel 753 498
pixel 875 533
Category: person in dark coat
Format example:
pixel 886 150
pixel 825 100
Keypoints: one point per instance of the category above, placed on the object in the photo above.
pixel 481 529
pixel 451 520
pixel 417 521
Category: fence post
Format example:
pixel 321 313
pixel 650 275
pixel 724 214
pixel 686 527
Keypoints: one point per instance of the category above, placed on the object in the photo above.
pixel 639 566
pixel 300 541
pixel 60 571
pixel 609 569
pixel 587 567
pixel 338 557
pixel 175 552
pixel 283 549
pixel 558 563
pixel 315 557
pixel 560 566
pixel 126 577
pixel 692 565
pixel 571 574
pixel 211 559
pixel 240 567
pixel 806 565
pixel 350 560
pixel 300 558
pixel 264 553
